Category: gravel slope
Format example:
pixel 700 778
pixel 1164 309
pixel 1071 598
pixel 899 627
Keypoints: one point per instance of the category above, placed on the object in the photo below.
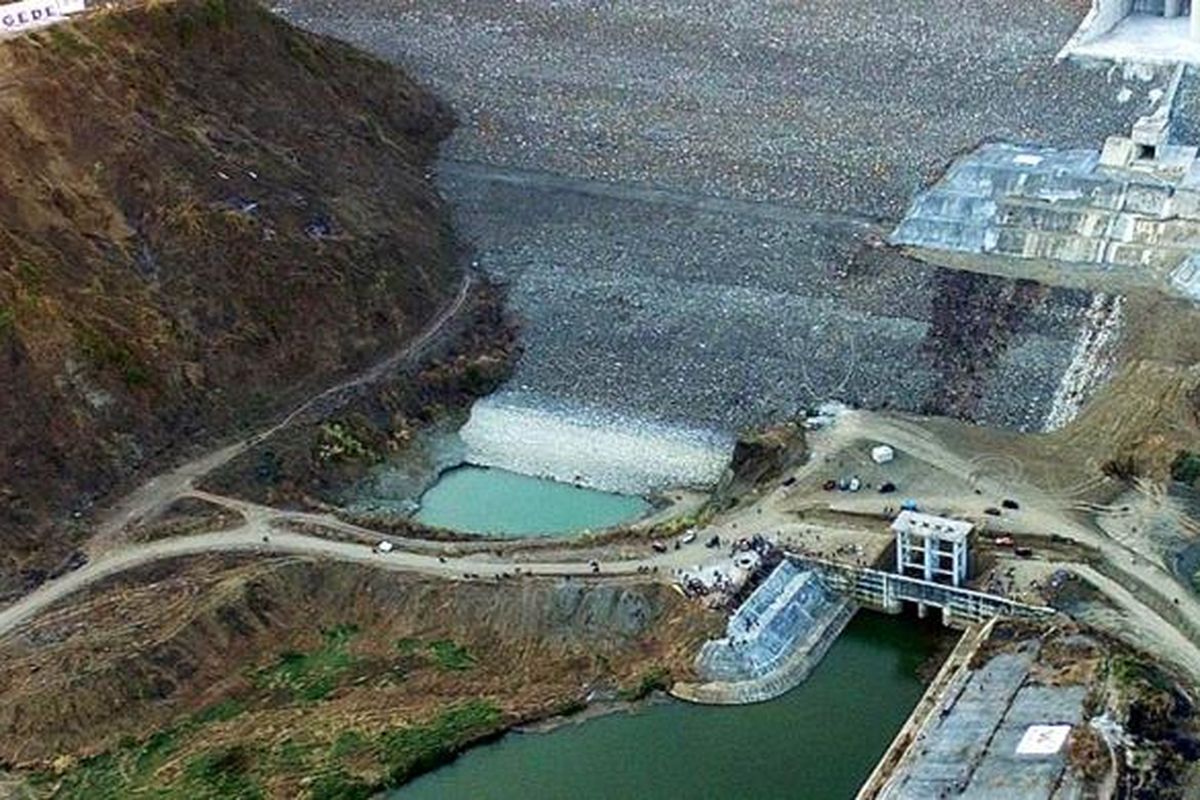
pixel 684 197
pixel 724 320
pixel 833 104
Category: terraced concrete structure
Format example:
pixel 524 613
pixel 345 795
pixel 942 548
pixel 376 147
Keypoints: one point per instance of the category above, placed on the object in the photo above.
pixel 1058 205
pixel 688 198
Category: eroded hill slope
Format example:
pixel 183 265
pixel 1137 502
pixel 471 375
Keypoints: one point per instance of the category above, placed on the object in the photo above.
pixel 203 213
pixel 304 678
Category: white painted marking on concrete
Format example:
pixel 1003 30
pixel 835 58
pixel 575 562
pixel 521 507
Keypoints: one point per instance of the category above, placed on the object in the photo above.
pixel 1043 740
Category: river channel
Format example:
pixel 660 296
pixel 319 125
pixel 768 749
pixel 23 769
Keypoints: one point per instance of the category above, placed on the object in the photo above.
pixel 818 742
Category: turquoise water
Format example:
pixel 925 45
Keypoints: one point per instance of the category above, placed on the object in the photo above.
pixel 818 742
pixel 495 501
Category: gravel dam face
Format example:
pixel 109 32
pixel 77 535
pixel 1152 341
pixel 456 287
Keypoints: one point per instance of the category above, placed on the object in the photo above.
pixel 724 315
pixel 688 203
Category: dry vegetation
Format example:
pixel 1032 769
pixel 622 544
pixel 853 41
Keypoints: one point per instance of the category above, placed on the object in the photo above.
pixel 204 213
pixel 288 675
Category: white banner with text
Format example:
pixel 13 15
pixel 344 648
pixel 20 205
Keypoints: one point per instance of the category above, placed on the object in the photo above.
pixel 30 14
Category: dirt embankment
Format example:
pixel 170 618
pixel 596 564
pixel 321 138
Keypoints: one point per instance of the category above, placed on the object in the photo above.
pixel 311 463
pixel 759 458
pixel 204 214
pixel 295 671
pixel 1149 411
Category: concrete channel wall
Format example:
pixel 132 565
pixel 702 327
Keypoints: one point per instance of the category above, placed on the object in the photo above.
pixel 950 672
pixel 964 739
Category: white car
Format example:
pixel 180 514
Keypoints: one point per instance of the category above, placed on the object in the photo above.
pixel 384 547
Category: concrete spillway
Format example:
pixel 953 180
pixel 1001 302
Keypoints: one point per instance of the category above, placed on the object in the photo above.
pixel 773 641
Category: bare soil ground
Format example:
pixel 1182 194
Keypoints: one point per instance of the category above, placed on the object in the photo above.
pixel 185 516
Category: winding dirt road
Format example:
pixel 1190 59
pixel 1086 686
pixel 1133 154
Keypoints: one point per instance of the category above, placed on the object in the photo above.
pixel 149 499
pixel 262 531
pixel 249 538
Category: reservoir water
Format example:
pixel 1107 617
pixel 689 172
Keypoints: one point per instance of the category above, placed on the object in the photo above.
pixel 818 742
pixel 502 503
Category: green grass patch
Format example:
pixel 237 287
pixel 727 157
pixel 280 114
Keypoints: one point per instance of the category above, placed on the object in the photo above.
pixel 656 679
pixel 338 785
pixel 105 352
pixel 8 321
pixel 408 646
pixel 64 40
pixel 31 275
pixel 449 655
pixel 1130 672
pixel 130 769
pixel 220 712
pixel 1186 467
pixel 340 442
pixel 445 654
pixel 221 774
pixel 418 748
pixel 234 772
pixel 310 677
pixel 192 20
pixel 350 743
pixel 290 757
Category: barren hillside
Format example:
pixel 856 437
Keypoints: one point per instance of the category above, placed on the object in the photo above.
pixel 203 213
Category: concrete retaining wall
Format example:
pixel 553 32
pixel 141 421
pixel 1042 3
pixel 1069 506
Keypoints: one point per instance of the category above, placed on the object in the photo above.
pixel 1102 18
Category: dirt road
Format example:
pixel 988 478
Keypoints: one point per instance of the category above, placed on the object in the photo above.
pixel 1136 580
pixel 262 535
pixel 149 499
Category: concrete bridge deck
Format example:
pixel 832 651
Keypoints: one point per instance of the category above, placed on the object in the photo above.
pixel 888 592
